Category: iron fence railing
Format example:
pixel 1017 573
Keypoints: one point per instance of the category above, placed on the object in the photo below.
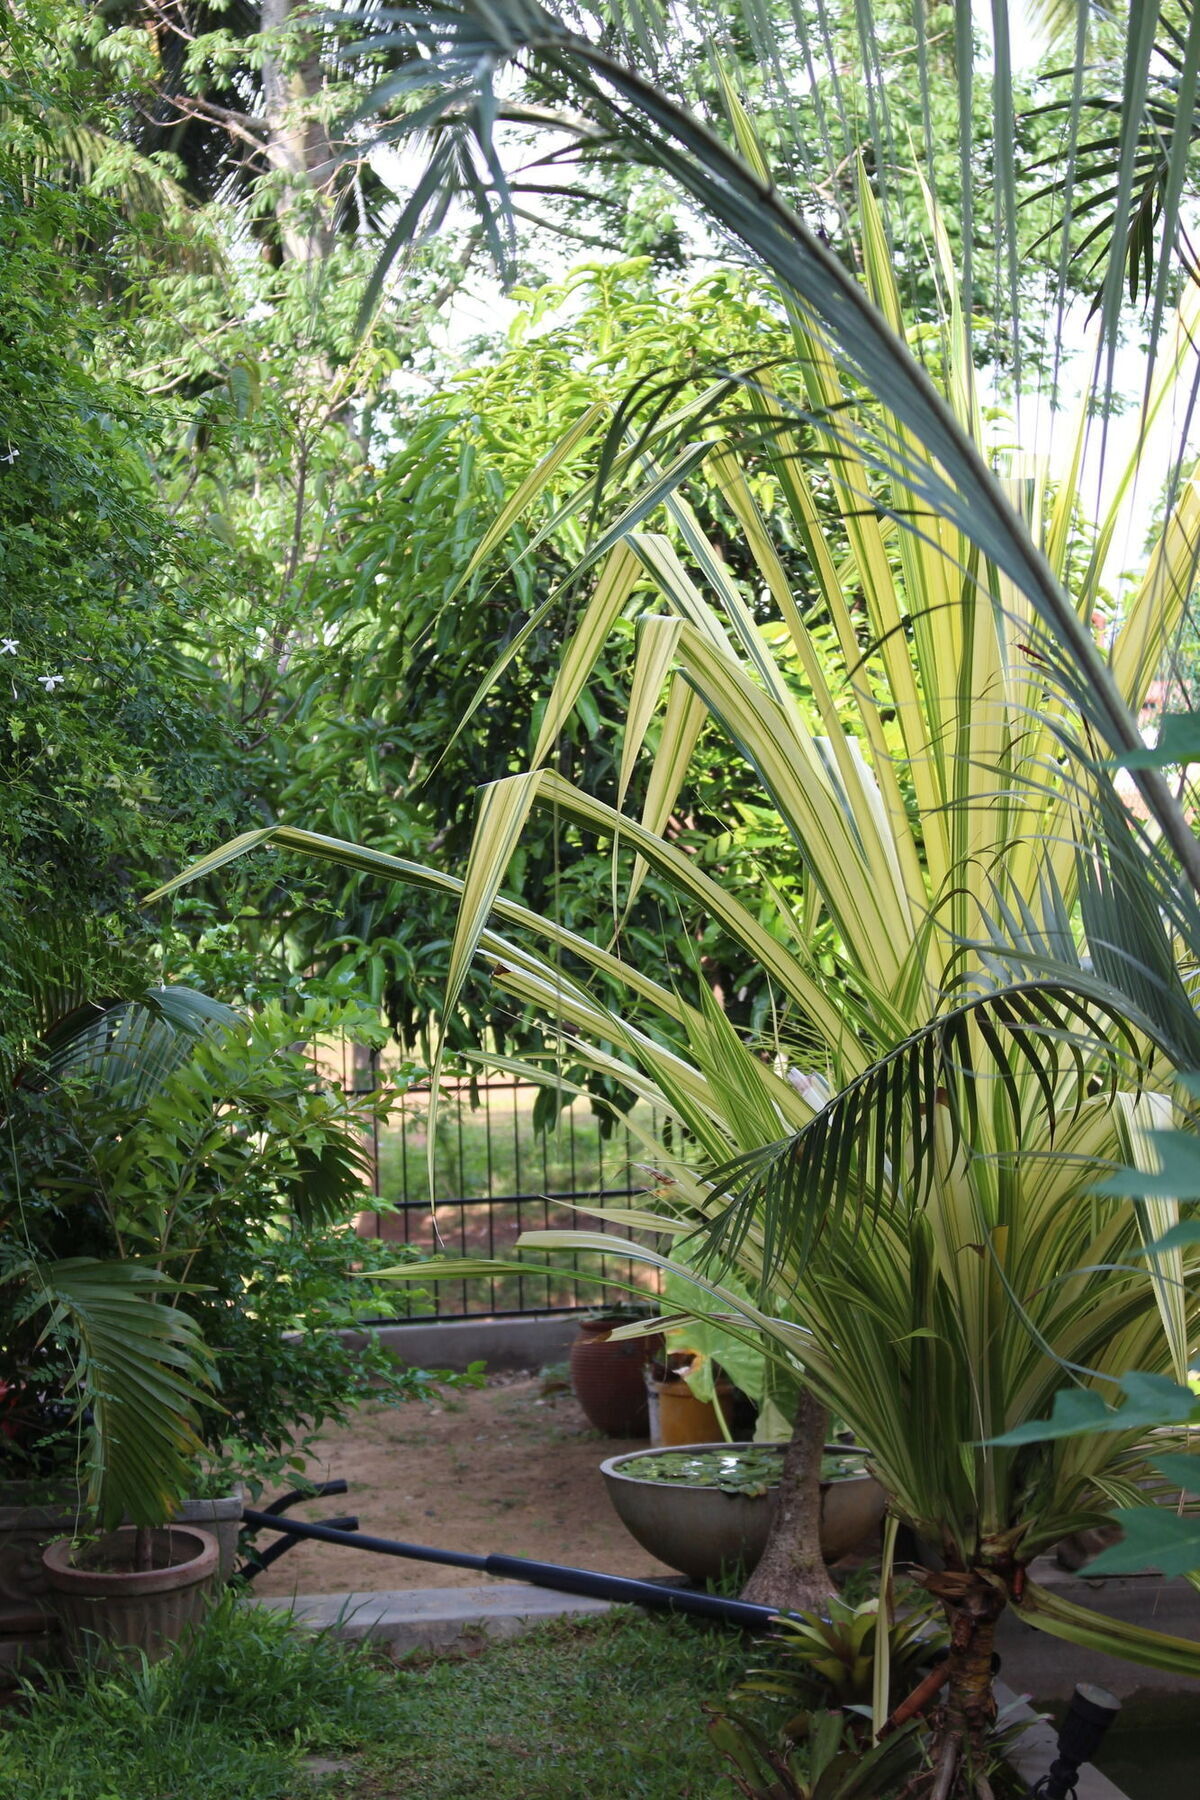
pixel 495 1176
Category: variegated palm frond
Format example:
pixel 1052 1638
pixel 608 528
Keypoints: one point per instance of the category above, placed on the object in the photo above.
pixel 452 55
pixel 1001 1077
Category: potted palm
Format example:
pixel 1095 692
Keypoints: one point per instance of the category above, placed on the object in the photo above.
pixel 104 1371
pixel 151 1137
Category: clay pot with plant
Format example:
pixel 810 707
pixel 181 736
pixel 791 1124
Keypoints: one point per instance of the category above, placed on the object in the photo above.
pixel 136 1131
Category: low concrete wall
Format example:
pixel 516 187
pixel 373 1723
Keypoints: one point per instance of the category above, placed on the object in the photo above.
pixel 1048 1668
pixel 525 1343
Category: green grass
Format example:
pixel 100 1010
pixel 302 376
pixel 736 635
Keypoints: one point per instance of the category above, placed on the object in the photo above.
pixel 599 1709
pixel 227 1718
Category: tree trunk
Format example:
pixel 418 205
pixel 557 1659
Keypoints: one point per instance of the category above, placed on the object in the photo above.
pixel 298 144
pixel 961 1724
pixel 792 1575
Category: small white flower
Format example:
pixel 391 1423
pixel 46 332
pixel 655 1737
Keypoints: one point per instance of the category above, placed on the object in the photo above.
pixel 8 646
pixel 11 457
pixel 50 682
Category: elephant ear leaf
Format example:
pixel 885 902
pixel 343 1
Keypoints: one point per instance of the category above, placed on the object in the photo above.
pixel 142 1367
pixel 1155 1537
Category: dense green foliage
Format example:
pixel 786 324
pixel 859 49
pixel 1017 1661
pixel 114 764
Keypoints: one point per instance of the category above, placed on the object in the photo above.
pixel 112 758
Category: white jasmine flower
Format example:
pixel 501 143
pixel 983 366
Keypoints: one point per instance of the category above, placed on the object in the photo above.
pixel 50 682
pixel 8 646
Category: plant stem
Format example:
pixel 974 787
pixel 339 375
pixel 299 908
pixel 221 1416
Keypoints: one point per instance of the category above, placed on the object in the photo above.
pixel 973 1604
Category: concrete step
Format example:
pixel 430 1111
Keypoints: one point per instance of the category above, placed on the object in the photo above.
pixel 431 1618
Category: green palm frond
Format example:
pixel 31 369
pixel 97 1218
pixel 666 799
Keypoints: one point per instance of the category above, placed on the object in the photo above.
pixel 1127 182
pixel 143 1366
pixel 135 1043
pixel 972 1078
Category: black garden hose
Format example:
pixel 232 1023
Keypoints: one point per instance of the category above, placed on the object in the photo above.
pixel 590 1582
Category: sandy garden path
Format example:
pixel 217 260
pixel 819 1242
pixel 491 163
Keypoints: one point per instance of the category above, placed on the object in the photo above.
pixel 508 1467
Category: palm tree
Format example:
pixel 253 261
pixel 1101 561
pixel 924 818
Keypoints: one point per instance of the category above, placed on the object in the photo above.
pixel 136 1363
pixel 922 1193
pixel 909 1149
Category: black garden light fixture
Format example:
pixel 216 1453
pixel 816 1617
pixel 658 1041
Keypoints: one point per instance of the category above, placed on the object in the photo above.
pixel 1088 1716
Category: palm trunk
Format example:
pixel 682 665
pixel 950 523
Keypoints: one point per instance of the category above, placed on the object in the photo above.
pixel 792 1575
pixel 958 1750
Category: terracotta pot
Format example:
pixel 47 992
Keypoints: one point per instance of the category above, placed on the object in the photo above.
pixel 115 1612
pixel 700 1531
pixel 32 1515
pixel 608 1378
pixel 676 1415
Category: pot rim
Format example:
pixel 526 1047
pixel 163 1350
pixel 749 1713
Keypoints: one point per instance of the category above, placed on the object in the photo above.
pixel 200 1561
pixel 611 1467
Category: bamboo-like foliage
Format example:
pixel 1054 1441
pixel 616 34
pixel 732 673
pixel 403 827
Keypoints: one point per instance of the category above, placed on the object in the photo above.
pixel 910 1151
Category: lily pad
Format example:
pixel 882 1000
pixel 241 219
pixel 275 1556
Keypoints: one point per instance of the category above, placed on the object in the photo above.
pixel 749 1471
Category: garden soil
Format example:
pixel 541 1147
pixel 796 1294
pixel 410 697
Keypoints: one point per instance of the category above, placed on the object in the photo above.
pixel 512 1467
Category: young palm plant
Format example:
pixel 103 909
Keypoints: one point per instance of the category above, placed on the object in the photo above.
pixel 138 1364
pixel 901 1167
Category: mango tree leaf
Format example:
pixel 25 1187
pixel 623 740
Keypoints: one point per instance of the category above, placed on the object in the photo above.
pixel 1178 1238
pixel 1178 743
pixel 1178 1176
pixel 1182 1471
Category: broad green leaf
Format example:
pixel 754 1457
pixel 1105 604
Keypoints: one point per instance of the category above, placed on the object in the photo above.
pixel 1177 1176
pixel 1153 1538
pixel 1182 1471
pixel 1152 1400
pixel 1178 743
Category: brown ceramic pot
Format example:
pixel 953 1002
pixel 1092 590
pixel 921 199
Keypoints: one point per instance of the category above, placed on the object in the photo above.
pixel 109 1609
pixel 608 1379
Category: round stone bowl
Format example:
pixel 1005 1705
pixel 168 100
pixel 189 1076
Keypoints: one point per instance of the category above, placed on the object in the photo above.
pixel 700 1531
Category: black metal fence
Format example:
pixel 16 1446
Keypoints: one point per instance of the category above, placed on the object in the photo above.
pixel 496 1175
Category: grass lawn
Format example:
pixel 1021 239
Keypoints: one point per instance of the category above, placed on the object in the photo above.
pixel 599 1709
